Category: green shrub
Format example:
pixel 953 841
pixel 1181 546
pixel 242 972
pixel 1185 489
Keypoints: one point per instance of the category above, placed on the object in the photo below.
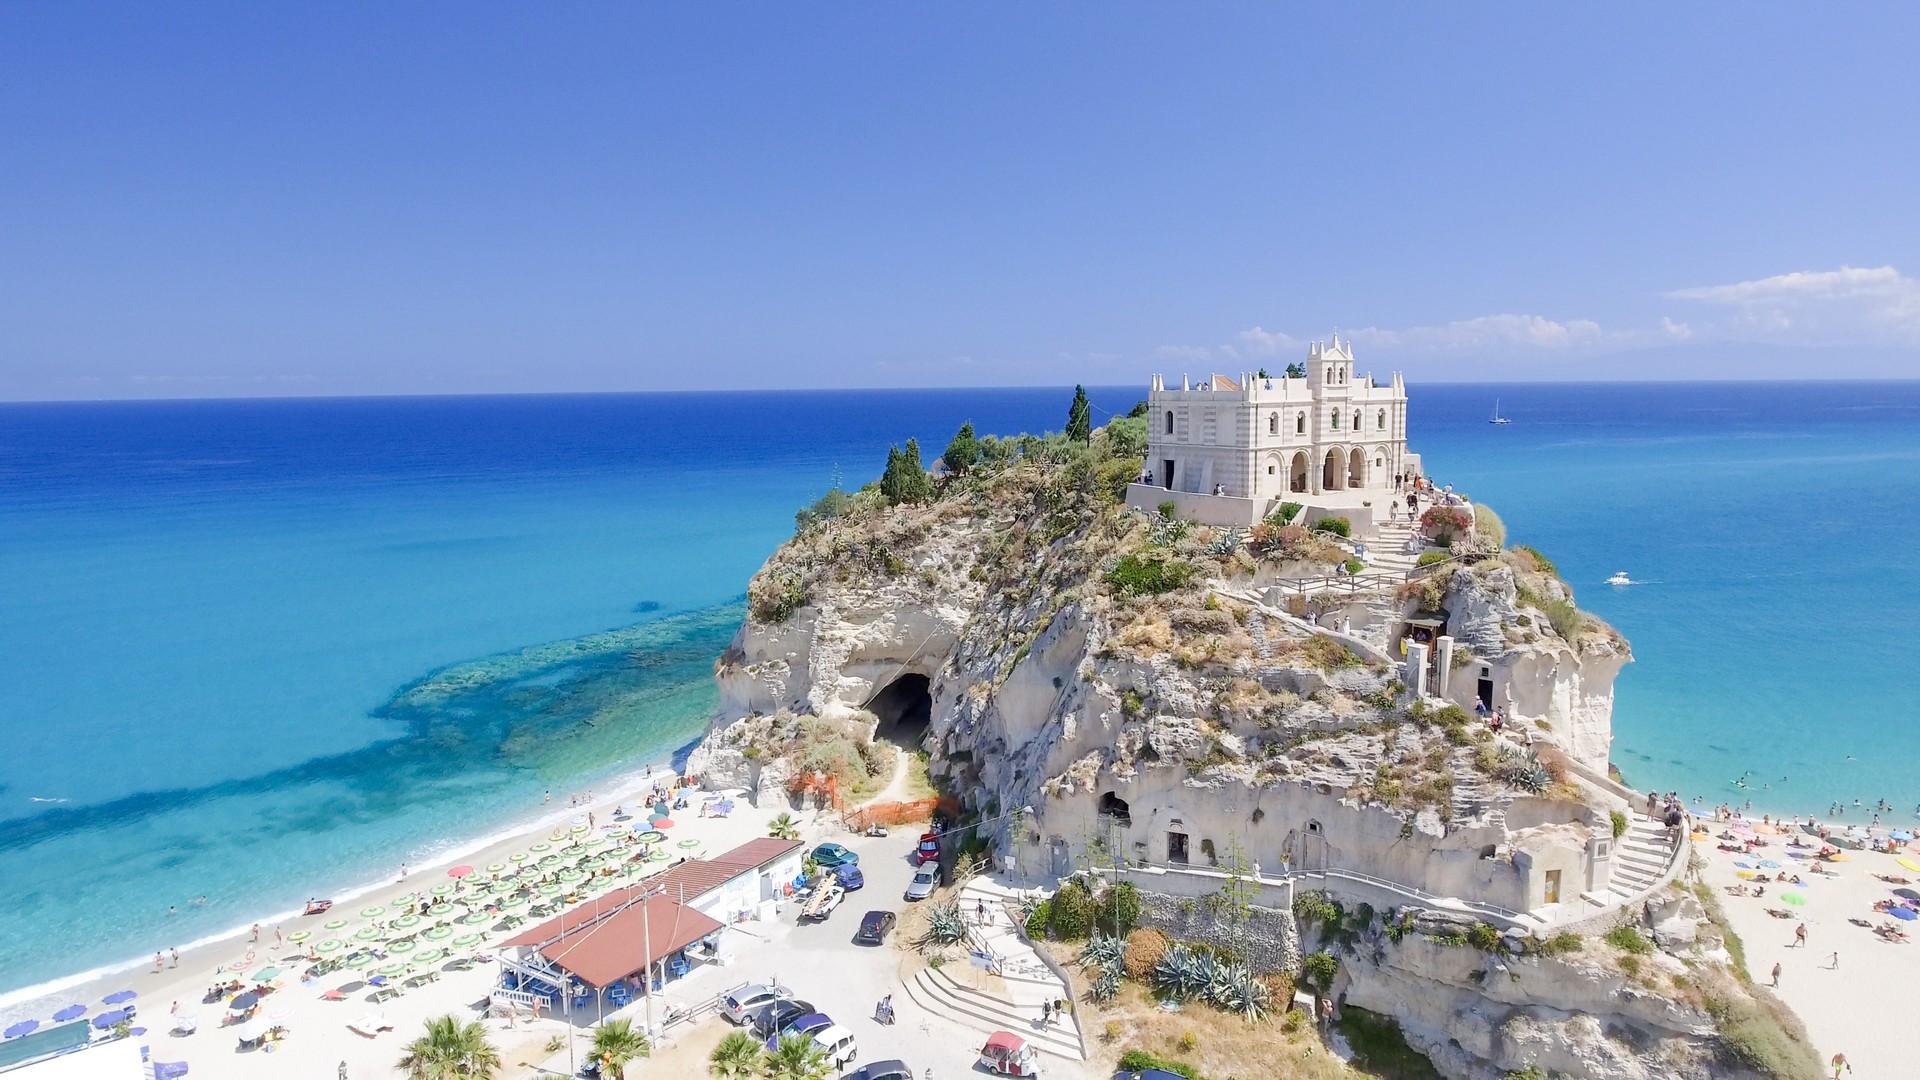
pixel 1628 938
pixel 1483 936
pixel 1621 823
pixel 1561 944
pixel 1119 909
pixel 1765 1036
pixel 1168 509
pixel 1380 1049
pixel 1315 907
pixel 1072 911
pixel 1140 1061
pixel 1564 617
pixel 1428 558
pixel 1038 918
pixel 1317 970
pixel 1538 561
pixel 1338 526
pixel 1489 526
pixel 774 601
pixel 1353 566
pixel 1285 514
pixel 1137 576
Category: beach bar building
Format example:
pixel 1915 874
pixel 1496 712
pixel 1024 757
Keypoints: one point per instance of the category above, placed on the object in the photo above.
pixel 643 935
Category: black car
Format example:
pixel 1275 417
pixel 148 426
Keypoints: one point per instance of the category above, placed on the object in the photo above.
pixel 773 1017
pixel 874 927
pixel 891 1069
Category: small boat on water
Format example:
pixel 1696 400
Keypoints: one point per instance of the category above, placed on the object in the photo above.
pixel 1620 578
pixel 1497 418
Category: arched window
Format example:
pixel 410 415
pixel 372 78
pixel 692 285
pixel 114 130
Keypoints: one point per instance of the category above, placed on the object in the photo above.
pixel 1336 419
pixel 1300 424
pixel 1169 421
pixel 1382 422
pixel 1273 424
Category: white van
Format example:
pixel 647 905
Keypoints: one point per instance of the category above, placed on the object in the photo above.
pixel 837 1043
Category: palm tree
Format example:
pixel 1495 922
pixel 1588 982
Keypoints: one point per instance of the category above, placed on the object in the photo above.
pixel 784 827
pixel 615 1043
pixel 738 1057
pixel 451 1050
pixel 798 1058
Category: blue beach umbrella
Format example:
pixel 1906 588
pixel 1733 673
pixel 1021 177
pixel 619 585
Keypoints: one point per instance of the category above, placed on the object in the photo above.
pixel 107 1019
pixel 71 1012
pixel 1901 834
pixel 24 1027
pixel 119 997
pixel 1904 913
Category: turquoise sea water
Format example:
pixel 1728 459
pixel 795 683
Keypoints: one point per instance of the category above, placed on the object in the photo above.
pixel 255 651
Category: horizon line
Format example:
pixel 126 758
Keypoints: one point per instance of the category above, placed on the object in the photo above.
pixel 888 389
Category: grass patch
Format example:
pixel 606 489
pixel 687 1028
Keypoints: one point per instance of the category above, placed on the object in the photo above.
pixel 1134 575
pixel 1561 944
pixel 1379 1047
pixel 1629 939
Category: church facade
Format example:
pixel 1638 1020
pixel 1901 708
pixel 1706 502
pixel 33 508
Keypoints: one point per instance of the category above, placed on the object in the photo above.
pixel 1228 451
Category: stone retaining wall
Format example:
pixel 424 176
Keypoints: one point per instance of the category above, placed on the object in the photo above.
pixel 1267 937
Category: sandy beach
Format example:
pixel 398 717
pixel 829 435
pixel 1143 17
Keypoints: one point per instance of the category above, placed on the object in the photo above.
pixel 320 1041
pixel 1859 1005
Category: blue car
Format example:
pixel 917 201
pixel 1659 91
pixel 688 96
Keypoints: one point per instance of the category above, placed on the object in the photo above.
pixel 806 1025
pixel 829 856
pixel 849 876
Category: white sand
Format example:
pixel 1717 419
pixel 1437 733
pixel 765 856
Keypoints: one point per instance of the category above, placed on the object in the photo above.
pixel 320 1041
pixel 1861 1007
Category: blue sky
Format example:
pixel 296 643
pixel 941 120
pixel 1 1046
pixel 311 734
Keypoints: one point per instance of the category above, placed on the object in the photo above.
pixel 270 199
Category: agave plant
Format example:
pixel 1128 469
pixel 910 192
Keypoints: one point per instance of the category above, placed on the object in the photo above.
pixel 1106 985
pixel 1237 989
pixel 1525 772
pixel 1226 541
pixel 1103 952
pixel 945 926
pixel 1182 972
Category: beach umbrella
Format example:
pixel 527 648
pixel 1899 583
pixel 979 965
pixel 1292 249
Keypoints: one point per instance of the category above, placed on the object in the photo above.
pixel 689 843
pixel 445 888
pixel 404 945
pixel 1794 898
pixel 368 933
pixel 1770 864
pixel 477 918
pixel 663 823
pixel 299 936
pixel 468 941
pixel 1901 834
pixel 460 871
pixel 361 960
pixel 437 933
pixel 373 912
pixel 572 875
pixel 431 956
pixel 330 945
pixel 334 924
pixel 71 1012
pixel 1907 893
pixel 550 888
pixel 119 997
pixel 406 922
pixel 518 857
pixel 108 1019
pixel 243 1002
pixel 24 1027
pixel 440 910
pixel 1906 914
pixel 391 971
pixel 266 974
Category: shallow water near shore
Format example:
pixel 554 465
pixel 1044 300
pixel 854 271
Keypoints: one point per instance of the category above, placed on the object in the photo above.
pixel 259 650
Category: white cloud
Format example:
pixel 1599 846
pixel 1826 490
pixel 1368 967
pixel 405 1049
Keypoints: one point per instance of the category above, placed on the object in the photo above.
pixel 1264 342
pixel 1193 353
pixel 1849 306
pixel 1485 332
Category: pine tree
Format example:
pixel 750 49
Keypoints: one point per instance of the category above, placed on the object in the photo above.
pixel 905 480
pixel 1296 370
pixel 963 452
pixel 1080 417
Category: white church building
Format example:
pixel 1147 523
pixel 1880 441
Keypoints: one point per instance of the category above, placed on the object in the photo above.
pixel 1229 451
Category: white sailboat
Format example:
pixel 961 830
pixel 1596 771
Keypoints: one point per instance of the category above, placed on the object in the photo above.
pixel 1497 418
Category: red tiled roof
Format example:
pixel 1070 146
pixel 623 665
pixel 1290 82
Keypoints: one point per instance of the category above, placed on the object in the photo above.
pixel 688 880
pixel 607 951
pixel 755 854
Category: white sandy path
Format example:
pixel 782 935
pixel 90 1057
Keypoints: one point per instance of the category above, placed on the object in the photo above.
pixel 1864 1009
pixel 320 1040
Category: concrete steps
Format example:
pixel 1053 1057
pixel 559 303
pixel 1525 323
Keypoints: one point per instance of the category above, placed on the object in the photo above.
pixel 939 993
pixel 1639 858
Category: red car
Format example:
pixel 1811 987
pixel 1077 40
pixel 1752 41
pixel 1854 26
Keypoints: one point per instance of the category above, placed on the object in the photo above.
pixel 929 849
pixel 1009 1055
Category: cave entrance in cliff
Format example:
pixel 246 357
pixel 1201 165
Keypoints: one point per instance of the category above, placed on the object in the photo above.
pixel 905 708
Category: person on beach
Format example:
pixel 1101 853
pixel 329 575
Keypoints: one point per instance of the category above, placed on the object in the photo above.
pixel 1839 1062
pixel 158 964
pixel 1800 936
pixel 1776 975
pixel 548 797
pixel 253 938
pixel 279 939
pixel 1833 962
pixel 173 957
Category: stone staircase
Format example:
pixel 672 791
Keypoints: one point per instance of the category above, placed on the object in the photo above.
pixel 1008 995
pixel 1387 551
pixel 1639 858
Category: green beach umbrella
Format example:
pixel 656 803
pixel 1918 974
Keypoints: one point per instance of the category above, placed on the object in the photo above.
pixel 652 836
pixel 266 974
pixel 1794 898
pixel 445 888
pixel 404 945
pixel 517 857
pixel 373 912
pixel 477 918
pixel 496 868
pixel 542 848
pixel 406 922
pixel 407 901
pixel 440 910
pixel 438 933
pixel 431 956
pixel 549 862
pixel 468 941
pixel 368 933
pixel 334 924
pixel 330 945
pixel 299 936
pixel 550 888
pixel 571 875
pixel 689 843
pixel 391 971
pixel 360 961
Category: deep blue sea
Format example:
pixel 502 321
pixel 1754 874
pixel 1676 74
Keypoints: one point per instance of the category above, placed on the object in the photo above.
pixel 261 650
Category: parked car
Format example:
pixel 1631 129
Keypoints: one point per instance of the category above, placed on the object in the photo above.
pixel 832 855
pixel 890 1069
pixel 837 1043
pixel 874 927
pixel 740 1003
pixel 804 1024
pixel 821 904
pixel 1009 1055
pixel 776 1015
pixel 925 880
pixel 849 877
pixel 928 850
